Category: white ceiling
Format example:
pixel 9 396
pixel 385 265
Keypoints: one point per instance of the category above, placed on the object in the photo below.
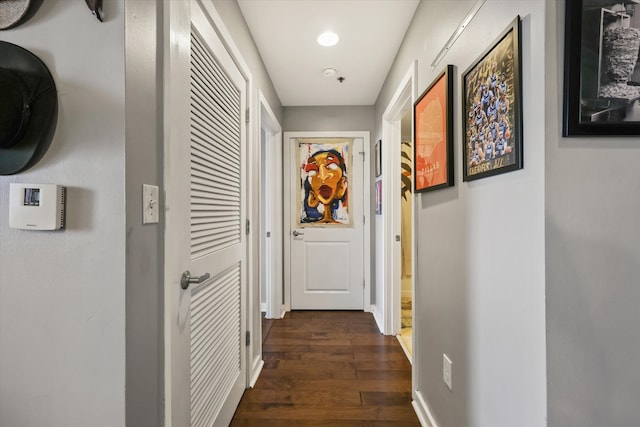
pixel 370 32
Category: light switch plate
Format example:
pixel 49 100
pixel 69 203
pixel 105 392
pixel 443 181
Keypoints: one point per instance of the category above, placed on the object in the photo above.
pixel 150 204
pixel 447 371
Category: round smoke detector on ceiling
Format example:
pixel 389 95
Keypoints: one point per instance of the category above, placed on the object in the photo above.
pixel 328 38
pixel 328 72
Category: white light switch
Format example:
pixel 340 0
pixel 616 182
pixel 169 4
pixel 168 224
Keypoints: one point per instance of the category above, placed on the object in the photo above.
pixel 150 205
pixel 447 371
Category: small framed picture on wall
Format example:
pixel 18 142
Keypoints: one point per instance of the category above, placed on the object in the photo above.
pixel 492 109
pixel 378 155
pixel 601 71
pixel 433 134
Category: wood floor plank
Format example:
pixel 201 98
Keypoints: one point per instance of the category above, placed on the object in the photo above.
pixel 312 412
pixel 385 365
pixel 378 398
pixel 383 375
pixel 304 397
pixel 310 356
pixel 329 368
pixel 312 341
pixel 249 422
pixel 322 372
pixel 290 383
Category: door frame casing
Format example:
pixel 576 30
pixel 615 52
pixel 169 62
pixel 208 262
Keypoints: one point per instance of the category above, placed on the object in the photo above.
pixel 404 96
pixel 271 207
pixel 177 16
pixel 403 99
pixel 366 182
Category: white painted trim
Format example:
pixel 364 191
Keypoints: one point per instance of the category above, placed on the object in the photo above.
pixel 272 166
pixel 378 316
pixel 405 349
pixel 263 307
pixel 366 209
pixel 225 37
pixel 422 410
pixel 269 117
pixel 404 94
pixel 288 136
pixel 176 20
pixel 256 369
pixel 286 229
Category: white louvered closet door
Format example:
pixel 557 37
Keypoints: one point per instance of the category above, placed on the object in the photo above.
pixel 210 326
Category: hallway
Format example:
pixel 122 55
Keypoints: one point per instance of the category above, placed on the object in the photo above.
pixel 329 368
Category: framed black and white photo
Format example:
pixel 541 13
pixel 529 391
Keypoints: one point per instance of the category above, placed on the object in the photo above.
pixel 601 72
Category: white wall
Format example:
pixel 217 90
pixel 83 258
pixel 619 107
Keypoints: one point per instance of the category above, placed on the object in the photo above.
pixel 62 295
pixel 480 252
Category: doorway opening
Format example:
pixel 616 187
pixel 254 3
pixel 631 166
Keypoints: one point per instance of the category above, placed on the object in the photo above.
pixel 327 251
pixel 399 228
pixel 406 230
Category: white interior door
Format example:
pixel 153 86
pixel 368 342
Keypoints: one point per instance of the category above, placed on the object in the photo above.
pixel 205 211
pixel 327 223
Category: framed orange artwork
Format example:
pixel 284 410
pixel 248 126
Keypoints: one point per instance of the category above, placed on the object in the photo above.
pixel 433 134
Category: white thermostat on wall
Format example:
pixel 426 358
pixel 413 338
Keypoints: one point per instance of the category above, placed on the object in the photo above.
pixel 36 206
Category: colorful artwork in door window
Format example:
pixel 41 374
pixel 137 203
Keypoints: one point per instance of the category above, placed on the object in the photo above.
pixel 324 170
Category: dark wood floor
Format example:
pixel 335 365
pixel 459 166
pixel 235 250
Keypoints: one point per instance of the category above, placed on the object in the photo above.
pixel 329 368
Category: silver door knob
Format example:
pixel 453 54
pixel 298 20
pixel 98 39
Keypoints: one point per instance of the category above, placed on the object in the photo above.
pixel 296 233
pixel 186 279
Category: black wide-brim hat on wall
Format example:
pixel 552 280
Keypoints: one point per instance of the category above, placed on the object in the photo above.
pixel 16 12
pixel 28 108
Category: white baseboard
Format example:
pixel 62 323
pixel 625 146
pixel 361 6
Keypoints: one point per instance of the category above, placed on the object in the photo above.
pixel 422 410
pixel 377 316
pixel 263 307
pixel 255 370
pixel 405 349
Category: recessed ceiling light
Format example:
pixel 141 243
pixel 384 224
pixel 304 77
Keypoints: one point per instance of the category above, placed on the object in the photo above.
pixel 328 38
pixel 328 72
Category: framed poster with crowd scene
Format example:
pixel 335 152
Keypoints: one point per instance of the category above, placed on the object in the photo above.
pixel 433 134
pixel 492 109
pixel 601 70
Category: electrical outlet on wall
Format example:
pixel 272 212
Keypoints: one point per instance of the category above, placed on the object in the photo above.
pixel 447 371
